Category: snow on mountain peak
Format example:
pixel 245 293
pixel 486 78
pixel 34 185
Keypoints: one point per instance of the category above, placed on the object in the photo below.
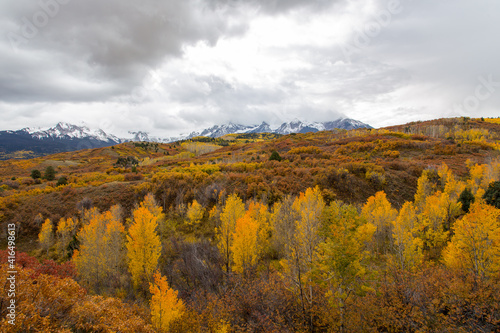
pixel 69 131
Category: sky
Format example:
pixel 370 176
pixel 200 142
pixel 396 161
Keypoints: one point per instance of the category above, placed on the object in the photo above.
pixel 169 67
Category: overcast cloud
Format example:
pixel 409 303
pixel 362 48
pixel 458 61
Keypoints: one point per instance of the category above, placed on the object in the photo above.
pixel 173 66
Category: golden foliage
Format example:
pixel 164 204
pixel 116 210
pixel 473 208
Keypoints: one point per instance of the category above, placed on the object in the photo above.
pixel 45 237
pixel 45 303
pixel 475 245
pixel 379 212
pixel 245 244
pixel 195 213
pixel 143 244
pixel 100 256
pixel 407 245
pixel 233 210
pixel 66 229
pixel 165 306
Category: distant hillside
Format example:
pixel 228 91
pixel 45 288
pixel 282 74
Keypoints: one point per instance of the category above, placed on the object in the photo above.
pixel 347 165
pixel 64 137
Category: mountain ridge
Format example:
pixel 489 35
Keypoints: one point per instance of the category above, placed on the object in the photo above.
pixel 63 137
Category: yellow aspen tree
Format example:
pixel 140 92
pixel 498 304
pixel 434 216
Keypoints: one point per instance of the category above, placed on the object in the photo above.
pixel 425 188
pixel 481 175
pixel 45 237
pixel 435 220
pixel 379 212
pixel 166 307
pixel 475 245
pixel 301 252
pixel 450 185
pixel 233 210
pixel 309 206
pixel 89 214
pixel 283 219
pixel 245 244
pixel 90 259
pixel 114 240
pixel 195 213
pixel 114 213
pixel 407 245
pixel 343 255
pixel 66 229
pixel 143 245
pixel 152 205
pixel 260 214
pixel 100 260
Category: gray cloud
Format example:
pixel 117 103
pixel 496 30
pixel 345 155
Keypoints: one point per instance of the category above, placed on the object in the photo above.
pixel 98 59
pixel 116 41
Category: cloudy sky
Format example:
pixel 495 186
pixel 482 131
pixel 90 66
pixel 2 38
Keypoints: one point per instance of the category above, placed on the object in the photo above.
pixel 172 66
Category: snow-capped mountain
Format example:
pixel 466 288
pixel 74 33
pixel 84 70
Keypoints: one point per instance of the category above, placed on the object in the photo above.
pixel 141 136
pixel 65 131
pixel 61 138
pixel 295 126
pixel 221 130
pixel 68 137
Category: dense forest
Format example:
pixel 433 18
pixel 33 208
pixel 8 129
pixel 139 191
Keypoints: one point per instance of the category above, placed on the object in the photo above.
pixel 372 230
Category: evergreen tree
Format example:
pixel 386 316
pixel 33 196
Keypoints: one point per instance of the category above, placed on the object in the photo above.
pixel 50 173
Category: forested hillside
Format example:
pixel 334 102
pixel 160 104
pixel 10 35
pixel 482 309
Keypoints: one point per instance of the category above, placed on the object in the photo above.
pixel 369 230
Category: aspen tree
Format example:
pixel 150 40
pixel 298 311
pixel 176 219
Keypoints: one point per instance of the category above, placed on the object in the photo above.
pixel 407 245
pixel 379 212
pixel 343 254
pixel 66 229
pixel 301 251
pixel 91 258
pixel 233 210
pixel 425 188
pixel 99 260
pixel 45 237
pixel 195 213
pixel 165 305
pixel 475 245
pixel 261 215
pixel 244 248
pixel 143 245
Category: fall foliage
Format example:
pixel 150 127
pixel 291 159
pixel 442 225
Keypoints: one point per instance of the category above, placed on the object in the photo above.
pixel 143 245
pixel 45 237
pixel 381 230
pixel 165 306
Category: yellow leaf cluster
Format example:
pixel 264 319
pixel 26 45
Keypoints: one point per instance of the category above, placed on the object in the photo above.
pixel 45 236
pixel 143 244
pixel 245 245
pixel 166 307
pixel 475 245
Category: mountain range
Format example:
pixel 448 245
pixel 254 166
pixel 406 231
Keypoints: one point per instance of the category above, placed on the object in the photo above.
pixel 64 137
pixel 295 126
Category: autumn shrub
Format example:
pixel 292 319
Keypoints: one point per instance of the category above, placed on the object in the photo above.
pixel 62 181
pixel 305 150
pixel 28 181
pixel 133 177
pixel 391 154
pixel 11 184
pixel 46 303
pixel 42 302
pixel 441 149
pixel 49 267
pixel 99 314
